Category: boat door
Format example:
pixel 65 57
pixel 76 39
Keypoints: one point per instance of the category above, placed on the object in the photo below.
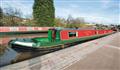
pixel 52 34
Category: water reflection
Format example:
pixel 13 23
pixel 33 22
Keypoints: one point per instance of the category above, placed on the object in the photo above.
pixel 7 57
pixel 11 56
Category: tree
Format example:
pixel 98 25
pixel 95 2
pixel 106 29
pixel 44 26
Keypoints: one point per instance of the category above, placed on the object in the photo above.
pixel 1 13
pixel 59 22
pixel 74 22
pixel 43 12
pixel 1 16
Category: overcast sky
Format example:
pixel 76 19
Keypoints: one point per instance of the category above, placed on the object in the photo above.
pixel 100 11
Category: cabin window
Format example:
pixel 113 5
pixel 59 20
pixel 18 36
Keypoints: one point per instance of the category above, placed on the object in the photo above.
pixel 72 34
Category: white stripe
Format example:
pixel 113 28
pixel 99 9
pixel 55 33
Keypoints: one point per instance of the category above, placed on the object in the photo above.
pixel 24 44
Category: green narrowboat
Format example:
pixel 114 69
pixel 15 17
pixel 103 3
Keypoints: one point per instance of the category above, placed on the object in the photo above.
pixel 56 39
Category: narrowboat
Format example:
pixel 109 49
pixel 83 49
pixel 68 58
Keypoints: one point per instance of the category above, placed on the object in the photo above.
pixel 56 39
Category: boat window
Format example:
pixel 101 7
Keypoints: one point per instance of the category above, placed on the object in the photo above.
pixel 72 34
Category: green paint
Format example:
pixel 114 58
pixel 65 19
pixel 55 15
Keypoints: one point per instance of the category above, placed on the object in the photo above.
pixel 40 39
pixel 50 44
pixel 50 35
pixel 57 36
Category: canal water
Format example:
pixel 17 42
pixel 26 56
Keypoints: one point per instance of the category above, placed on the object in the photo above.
pixel 11 56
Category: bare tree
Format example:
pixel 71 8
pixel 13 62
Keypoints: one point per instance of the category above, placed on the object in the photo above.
pixel 12 16
pixel 69 19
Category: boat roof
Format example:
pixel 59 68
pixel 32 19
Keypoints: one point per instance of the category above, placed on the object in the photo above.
pixel 74 29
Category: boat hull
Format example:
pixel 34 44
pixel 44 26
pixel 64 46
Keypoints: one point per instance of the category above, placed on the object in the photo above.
pixel 18 48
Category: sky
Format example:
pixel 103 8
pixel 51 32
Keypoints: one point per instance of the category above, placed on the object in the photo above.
pixel 94 11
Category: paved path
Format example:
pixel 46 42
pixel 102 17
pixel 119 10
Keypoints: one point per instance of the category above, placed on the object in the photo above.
pixel 104 58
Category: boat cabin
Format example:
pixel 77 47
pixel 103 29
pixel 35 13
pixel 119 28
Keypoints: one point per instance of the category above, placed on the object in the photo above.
pixel 67 34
